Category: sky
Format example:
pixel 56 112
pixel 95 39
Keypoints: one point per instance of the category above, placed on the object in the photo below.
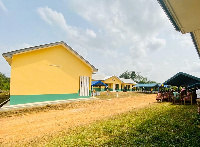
pixel 113 35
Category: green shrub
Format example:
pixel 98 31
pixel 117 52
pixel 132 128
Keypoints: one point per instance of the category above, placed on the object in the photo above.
pixel 4 82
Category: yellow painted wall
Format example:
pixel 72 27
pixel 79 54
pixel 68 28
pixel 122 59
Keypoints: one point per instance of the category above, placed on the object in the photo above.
pixel 126 85
pixel 109 84
pixel 113 80
pixel 32 73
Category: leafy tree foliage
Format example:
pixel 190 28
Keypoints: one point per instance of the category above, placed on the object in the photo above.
pixel 128 75
pixel 4 82
pixel 135 77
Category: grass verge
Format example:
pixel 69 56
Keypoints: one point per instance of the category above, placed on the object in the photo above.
pixel 158 125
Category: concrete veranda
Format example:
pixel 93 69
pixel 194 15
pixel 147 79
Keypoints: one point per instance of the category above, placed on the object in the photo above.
pixel 8 107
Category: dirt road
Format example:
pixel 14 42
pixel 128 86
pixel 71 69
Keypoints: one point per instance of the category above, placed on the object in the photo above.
pixel 35 125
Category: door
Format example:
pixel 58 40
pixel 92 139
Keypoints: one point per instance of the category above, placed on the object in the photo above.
pixel 84 86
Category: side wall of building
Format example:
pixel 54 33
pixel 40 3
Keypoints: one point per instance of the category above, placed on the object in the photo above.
pixel 46 74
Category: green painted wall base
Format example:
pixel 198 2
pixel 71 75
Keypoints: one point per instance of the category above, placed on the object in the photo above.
pixel 23 99
pixel 98 89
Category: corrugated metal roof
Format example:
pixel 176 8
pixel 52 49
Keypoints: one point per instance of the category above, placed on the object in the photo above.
pixel 98 77
pixel 107 77
pixel 101 77
pixel 128 81
pixel 150 85
pixel 10 54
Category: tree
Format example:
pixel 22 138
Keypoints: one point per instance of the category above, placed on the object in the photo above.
pixel 125 75
pixel 135 77
pixel 4 82
pixel 128 75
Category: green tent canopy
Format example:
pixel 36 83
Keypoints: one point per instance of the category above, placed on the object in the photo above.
pixel 182 79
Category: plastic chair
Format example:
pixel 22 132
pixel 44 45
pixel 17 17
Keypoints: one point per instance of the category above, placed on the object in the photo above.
pixel 159 97
pixel 166 96
pixel 188 97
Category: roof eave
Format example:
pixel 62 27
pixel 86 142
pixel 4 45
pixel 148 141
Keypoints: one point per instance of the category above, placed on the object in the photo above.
pixel 10 54
pixel 182 73
pixel 169 15
pixel 195 42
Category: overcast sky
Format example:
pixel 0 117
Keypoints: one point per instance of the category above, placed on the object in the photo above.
pixel 113 35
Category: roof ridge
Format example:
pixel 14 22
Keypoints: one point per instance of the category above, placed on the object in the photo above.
pixel 37 46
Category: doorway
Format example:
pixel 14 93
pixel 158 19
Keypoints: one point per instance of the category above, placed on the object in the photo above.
pixel 84 86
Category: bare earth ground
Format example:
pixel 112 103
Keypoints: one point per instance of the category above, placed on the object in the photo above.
pixel 24 128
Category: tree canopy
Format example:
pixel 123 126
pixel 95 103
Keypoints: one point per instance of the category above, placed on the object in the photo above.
pixel 4 82
pixel 135 77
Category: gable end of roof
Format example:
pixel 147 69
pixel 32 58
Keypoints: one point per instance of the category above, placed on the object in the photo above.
pixel 10 54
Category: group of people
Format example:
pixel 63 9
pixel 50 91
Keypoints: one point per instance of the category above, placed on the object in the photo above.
pixel 180 95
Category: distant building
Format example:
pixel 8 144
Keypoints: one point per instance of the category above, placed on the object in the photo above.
pixel 114 83
pixel 128 84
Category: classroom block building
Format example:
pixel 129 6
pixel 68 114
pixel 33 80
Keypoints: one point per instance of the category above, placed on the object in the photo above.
pixel 48 72
pixel 113 83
